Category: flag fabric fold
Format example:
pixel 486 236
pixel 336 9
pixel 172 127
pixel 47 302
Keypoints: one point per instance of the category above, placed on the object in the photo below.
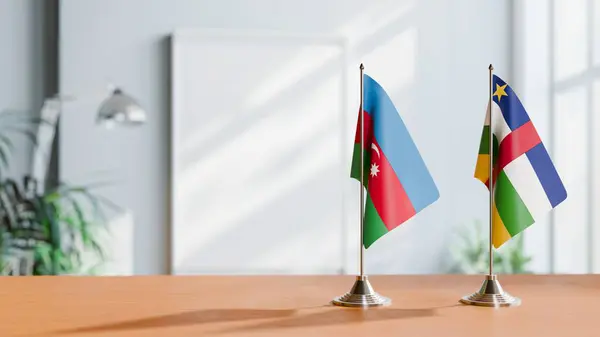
pixel 397 181
pixel 526 183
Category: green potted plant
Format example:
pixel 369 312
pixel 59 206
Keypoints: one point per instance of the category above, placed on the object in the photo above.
pixel 471 254
pixel 45 232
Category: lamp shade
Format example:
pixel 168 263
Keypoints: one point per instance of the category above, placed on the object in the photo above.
pixel 120 108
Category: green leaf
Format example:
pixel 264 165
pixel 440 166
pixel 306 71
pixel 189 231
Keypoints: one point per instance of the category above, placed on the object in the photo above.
pixel 6 149
pixel 57 258
pixel 51 197
pixel 55 230
pixel 94 270
pixel 43 253
pixel 7 142
pixel 85 190
pixel 3 157
pixel 27 133
pixel 83 223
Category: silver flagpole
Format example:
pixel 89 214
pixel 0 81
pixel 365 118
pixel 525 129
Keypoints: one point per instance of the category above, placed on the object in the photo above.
pixel 362 293
pixel 491 293
pixel 362 173
pixel 491 179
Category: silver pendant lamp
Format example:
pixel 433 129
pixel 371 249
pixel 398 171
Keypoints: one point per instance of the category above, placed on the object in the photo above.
pixel 120 109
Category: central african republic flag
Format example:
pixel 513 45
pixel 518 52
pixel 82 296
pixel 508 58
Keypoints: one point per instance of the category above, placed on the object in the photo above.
pixel 526 184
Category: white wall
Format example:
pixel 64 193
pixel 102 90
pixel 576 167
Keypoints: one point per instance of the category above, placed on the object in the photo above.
pixel 23 75
pixel 431 56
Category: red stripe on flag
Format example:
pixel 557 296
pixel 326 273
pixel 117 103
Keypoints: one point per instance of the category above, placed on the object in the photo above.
pixel 516 144
pixel 368 130
pixel 495 172
pixel 387 193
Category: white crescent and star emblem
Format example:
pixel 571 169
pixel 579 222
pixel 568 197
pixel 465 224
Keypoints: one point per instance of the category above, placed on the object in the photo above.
pixel 375 167
pixel 374 147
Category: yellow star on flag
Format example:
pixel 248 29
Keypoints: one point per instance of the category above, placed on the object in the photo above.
pixel 500 91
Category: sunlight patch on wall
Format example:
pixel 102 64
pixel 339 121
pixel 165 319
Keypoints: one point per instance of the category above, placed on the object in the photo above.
pixel 393 64
pixel 374 18
pixel 572 162
pixel 570 53
pixel 309 63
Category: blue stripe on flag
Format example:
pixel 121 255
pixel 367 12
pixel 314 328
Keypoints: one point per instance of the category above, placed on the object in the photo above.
pixel 513 111
pixel 546 173
pixel 397 145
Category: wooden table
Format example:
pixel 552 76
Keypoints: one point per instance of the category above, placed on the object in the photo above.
pixel 169 306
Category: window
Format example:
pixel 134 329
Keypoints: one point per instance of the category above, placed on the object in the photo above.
pixel 557 75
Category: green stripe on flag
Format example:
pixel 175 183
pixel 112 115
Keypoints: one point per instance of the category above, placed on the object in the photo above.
pixel 374 228
pixel 484 145
pixel 512 210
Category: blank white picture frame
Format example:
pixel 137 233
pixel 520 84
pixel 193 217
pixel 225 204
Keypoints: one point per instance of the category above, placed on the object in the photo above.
pixel 260 153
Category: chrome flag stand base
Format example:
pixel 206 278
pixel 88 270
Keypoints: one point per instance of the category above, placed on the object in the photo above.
pixel 361 295
pixel 491 294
